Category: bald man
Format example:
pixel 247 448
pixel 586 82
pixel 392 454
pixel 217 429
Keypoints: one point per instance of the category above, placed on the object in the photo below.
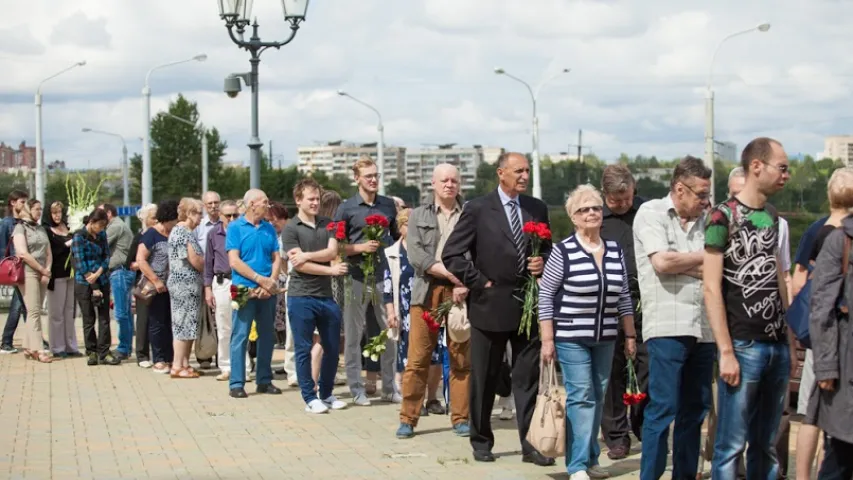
pixel 430 226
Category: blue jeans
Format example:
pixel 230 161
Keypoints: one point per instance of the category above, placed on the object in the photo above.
pixel 586 371
pixel 263 313
pixel 751 411
pixel 16 309
pixel 305 314
pixel 121 282
pixel 680 374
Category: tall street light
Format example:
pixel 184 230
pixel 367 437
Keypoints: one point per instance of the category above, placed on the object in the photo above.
pixel 380 148
pixel 124 166
pixel 204 151
pixel 709 102
pixel 534 95
pixel 146 139
pixel 39 147
pixel 236 14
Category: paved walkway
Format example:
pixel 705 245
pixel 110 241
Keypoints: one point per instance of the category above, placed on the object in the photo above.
pixel 69 420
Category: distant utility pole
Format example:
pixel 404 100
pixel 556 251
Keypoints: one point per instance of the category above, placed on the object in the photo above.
pixel 580 146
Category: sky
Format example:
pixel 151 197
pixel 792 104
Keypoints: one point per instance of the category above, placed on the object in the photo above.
pixel 636 85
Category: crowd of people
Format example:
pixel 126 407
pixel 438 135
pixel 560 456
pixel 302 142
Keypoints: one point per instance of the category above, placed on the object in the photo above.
pixel 693 296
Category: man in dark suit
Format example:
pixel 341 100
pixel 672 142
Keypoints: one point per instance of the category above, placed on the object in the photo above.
pixel 495 272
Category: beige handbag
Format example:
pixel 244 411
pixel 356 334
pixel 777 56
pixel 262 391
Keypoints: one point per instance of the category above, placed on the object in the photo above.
pixel 458 326
pixel 547 431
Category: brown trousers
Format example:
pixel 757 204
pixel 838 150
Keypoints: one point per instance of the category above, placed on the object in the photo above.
pixel 422 342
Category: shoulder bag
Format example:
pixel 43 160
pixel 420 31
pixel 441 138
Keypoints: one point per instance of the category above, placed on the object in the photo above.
pixel 547 431
pixel 11 268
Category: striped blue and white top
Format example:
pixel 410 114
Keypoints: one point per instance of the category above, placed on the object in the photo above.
pixel 584 303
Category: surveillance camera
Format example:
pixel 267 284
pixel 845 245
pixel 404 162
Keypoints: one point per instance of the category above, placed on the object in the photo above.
pixel 232 86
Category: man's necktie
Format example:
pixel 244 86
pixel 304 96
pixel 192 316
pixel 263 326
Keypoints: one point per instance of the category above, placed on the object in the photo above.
pixel 517 235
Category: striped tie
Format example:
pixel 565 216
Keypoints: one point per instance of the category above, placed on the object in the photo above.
pixel 517 235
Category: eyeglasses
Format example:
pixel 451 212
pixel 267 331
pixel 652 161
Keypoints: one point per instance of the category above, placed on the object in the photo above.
pixel 585 210
pixel 783 169
pixel 230 216
pixel 373 176
pixel 699 195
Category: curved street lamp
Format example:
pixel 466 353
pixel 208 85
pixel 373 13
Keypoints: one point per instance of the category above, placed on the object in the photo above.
pixel 534 95
pixel 709 101
pixel 39 148
pixel 236 14
pixel 124 166
pixel 380 148
pixel 146 139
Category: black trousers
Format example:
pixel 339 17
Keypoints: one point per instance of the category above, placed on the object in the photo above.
pixel 143 346
pixel 160 328
pixel 837 460
pixel 616 421
pixel 90 309
pixel 487 354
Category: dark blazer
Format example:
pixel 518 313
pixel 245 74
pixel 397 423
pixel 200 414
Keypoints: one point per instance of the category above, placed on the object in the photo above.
pixel 484 232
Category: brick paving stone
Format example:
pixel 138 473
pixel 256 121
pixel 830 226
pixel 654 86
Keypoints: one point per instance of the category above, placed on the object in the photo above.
pixel 69 420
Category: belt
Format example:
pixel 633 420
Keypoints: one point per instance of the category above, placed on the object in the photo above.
pixel 220 277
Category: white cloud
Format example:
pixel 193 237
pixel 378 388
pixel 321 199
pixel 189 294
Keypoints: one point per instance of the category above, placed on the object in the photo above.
pixel 636 85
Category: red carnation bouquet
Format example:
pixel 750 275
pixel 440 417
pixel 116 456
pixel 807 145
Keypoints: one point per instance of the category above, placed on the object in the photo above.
pixel 339 230
pixel 437 317
pixel 239 296
pixel 375 230
pixel 633 395
pixel 537 232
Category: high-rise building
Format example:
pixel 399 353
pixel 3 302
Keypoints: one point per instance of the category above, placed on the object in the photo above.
pixel 421 162
pixel 727 152
pixel 337 158
pixel 838 147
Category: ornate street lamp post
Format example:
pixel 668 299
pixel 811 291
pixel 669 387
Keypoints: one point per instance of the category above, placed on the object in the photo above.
pixel 236 14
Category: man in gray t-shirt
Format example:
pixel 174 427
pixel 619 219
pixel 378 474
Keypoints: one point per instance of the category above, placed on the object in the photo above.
pixel 311 246
pixel 119 238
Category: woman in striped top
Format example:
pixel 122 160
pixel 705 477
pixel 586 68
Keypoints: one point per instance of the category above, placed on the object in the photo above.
pixel 582 295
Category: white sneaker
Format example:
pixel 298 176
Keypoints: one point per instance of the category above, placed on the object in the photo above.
pixel 361 400
pixel 145 364
pixel 579 476
pixel 292 382
pixel 392 397
pixel 506 414
pixel 316 406
pixel 333 403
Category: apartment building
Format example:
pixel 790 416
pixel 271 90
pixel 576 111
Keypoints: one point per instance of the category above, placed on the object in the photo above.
pixel 14 160
pixel 337 158
pixel 838 147
pixel 421 162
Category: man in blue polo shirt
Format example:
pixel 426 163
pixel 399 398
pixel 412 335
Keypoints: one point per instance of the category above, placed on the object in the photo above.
pixel 253 246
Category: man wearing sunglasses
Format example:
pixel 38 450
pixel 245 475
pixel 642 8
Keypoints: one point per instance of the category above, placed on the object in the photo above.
pixel 217 283
pixel 669 238
pixel 209 221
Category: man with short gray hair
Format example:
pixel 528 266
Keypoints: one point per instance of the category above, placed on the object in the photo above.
pixel 209 221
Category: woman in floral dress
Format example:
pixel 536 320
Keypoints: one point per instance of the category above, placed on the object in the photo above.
pixel 397 295
pixel 186 262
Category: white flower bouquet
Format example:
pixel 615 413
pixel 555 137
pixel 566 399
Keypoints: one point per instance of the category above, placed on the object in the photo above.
pixel 81 200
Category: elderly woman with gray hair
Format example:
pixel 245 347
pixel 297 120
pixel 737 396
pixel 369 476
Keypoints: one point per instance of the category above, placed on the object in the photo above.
pixel 583 295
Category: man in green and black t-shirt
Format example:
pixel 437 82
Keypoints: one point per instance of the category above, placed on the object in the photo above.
pixel 745 296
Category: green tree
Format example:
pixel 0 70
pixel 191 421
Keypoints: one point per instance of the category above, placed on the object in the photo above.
pixel 409 193
pixel 176 154
pixel 486 179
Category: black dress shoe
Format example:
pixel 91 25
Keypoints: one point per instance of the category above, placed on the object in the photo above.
pixel 483 456
pixel 238 393
pixel 268 388
pixel 537 459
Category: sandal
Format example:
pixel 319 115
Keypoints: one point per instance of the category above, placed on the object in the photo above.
pixel 31 355
pixel 43 358
pixel 183 373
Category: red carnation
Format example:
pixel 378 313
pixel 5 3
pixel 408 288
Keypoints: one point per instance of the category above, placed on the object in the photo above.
pixel 641 396
pixel 627 399
pixel 426 316
pixel 112 305
pixel 341 232
pixel 433 327
pixel 383 222
pixel 529 227
pixel 331 226
pixel 543 231
pixel 233 295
